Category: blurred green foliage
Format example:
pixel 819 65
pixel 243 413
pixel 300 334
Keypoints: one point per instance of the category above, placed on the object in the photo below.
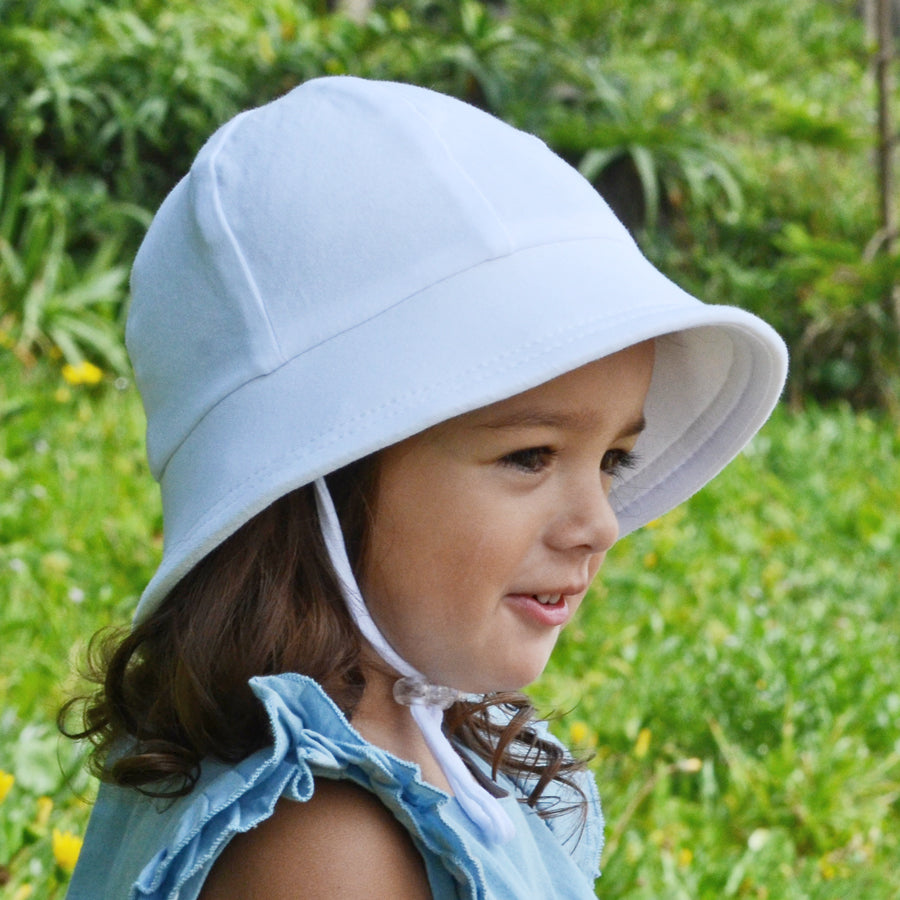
pixel 734 138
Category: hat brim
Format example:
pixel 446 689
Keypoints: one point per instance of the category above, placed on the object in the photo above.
pixel 716 380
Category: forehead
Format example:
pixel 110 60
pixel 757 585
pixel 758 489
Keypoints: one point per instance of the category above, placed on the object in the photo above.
pixel 603 400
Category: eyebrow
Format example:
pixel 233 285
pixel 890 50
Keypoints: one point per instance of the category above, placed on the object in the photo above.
pixel 575 421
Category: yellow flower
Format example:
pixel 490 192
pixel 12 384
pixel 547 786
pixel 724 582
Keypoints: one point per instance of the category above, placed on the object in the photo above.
pixel 56 562
pixel 66 847
pixel 580 734
pixel 6 783
pixel 44 807
pixel 642 744
pixel 685 857
pixel 400 19
pixel 266 50
pixel 83 373
pixel 288 30
pixel 23 892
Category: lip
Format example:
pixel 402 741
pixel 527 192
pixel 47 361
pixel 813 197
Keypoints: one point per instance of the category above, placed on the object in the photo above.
pixel 550 615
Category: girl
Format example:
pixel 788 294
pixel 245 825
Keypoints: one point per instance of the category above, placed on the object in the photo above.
pixel 407 379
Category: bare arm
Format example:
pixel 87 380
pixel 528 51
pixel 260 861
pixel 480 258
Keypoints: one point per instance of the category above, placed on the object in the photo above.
pixel 342 843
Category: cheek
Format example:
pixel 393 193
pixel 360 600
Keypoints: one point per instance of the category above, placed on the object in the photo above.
pixel 433 557
pixel 422 521
pixel 431 562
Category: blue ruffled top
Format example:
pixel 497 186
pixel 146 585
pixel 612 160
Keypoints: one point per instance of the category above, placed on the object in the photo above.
pixel 139 848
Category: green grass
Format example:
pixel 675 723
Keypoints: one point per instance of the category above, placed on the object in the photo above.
pixel 736 670
pixel 79 519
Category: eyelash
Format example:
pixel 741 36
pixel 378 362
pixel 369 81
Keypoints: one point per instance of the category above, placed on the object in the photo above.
pixel 531 460
pixel 535 459
pixel 622 460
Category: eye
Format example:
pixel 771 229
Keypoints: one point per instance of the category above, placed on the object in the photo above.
pixel 615 461
pixel 532 459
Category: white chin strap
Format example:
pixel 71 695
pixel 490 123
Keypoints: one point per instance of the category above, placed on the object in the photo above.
pixel 426 701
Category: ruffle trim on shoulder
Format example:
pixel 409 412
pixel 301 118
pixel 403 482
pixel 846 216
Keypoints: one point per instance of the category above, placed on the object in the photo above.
pixel 582 837
pixel 311 738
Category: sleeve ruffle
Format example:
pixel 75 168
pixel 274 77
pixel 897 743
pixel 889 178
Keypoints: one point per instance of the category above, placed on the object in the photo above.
pixel 584 840
pixel 311 739
pixel 582 837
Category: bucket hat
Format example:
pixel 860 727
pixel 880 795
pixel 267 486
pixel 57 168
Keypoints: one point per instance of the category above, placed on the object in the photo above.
pixel 359 260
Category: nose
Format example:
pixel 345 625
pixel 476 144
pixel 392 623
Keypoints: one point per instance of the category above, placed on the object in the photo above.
pixel 586 519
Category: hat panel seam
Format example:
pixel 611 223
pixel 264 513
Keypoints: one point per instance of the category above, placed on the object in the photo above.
pixel 222 217
pixel 457 165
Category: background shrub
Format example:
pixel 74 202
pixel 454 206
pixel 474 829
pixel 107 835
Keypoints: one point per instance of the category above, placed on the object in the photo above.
pixel 734 138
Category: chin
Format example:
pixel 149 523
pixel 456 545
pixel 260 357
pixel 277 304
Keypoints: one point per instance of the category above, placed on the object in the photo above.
pixel 510 680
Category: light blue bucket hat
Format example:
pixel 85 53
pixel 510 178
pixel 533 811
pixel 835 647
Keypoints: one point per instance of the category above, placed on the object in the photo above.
pixel 359 260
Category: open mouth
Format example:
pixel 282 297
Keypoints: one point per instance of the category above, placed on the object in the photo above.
pixel 547 610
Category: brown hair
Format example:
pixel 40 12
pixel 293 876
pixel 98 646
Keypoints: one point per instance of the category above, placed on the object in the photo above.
pixel 266 601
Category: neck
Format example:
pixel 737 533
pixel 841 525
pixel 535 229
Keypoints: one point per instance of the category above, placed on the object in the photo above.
pixel 387 724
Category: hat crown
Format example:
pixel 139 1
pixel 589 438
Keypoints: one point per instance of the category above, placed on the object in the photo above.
pixel 319 211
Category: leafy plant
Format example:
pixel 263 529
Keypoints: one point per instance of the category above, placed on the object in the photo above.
pixel 673 163
pixel 48 300
pixel 712 159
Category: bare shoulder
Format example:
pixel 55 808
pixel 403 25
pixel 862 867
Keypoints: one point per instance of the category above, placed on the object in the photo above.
pixel 342 843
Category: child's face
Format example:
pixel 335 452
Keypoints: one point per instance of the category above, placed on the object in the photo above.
pixel 478 517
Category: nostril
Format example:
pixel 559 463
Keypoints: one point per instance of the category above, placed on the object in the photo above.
pixel 588 523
